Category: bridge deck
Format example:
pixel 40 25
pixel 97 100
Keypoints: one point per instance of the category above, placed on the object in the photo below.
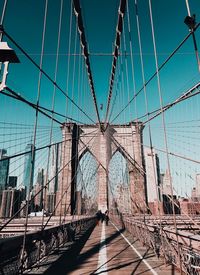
pixel 109 251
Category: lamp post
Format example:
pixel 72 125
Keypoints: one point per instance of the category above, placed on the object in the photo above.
pixel 7 55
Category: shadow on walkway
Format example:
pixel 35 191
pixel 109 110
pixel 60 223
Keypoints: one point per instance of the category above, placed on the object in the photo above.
pixel 90 252
pixel 70 260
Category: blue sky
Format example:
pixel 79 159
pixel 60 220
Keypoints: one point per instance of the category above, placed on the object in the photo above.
pixel 24 22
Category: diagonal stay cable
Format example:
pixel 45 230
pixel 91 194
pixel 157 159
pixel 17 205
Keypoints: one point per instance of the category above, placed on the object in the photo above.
pixel 159 69
pixel 38 149
pixel 2 30
pixel 77 11
pixel 195 90
pixel 191 92
pixel 121 12
pixel 18 96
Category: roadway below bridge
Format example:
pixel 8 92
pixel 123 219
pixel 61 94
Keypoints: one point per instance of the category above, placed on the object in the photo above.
pixel 108 250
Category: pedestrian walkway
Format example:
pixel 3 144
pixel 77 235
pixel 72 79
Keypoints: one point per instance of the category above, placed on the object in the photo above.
pixel 109 251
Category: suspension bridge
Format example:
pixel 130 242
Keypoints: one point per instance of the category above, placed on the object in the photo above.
pixel 99 137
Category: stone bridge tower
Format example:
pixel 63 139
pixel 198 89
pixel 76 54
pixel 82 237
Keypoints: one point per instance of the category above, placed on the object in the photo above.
pixel 102 145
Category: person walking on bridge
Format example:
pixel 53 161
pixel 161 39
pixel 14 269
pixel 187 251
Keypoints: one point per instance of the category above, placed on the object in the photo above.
pixel 106 217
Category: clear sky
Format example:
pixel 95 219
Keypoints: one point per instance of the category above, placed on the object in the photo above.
pixel 24 23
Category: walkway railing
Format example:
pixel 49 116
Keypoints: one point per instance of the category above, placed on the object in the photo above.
pixel 14 260
pixel 164 240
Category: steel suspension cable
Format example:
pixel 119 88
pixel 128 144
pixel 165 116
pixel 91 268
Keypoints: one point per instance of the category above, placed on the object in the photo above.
pixel 190 93
pixel 147 110
pixel 74 68
pixel 78 14
pixel 44 73
pixel 193 34
pixel 126 68
pixel 119 29
pixel 69 51
pixel 132 61
pixel 29 189
pixel 116 93
pixel 36 106
pixel 3 13
pixel 164 128
pixel 17 96
pixel 142 67
pixel 53 108
pixel 154 75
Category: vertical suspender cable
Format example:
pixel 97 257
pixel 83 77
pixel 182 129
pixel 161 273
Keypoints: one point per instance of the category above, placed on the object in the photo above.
pixel 132 62
pixel 74 70
pixel 3 16
pixel 53 107
pixel 35 130
pixel 147 111
pixel 164 129
pixel 69 55
pixel 63 193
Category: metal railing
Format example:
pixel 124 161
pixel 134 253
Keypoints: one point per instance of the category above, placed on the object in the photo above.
pixel 39 245
pixel 163 240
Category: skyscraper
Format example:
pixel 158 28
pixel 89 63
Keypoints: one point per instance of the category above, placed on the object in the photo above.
pixel 11 201
pixel 152 174
pixel 167 179
pixel 55 163
pixel 29 163
pixel 4 169
pixel 39 189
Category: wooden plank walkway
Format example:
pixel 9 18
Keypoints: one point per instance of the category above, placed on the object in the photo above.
pixel 112 255
pixel 112 252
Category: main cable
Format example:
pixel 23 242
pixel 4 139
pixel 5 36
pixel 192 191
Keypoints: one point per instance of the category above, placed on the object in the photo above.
pixel 77 11
pixel 121 13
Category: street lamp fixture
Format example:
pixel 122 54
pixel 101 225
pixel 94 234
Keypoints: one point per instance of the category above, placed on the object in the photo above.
pixel 7 55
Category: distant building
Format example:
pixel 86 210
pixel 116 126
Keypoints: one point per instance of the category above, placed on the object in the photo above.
pixel 166 183
pixel 38 188
pixel 12 181
pixel 50 203
pixel 23 211
pixel 152 175
pixel 4 169
pixel 197 185
pixel 11 201
pixel 194 195
pixel 29 167
pixel 189 207
pixel 168 204
pixel 55 164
